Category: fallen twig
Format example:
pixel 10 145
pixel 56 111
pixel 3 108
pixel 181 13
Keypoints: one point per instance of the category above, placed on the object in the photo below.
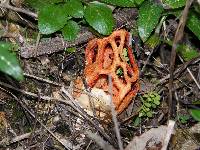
pixel 21 10
pixel 114 116
pixel 177 39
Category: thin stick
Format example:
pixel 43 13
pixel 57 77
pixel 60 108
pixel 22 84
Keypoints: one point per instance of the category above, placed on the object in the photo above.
pixel 114 116
pixel 41 79
pixel 177 38
pixel 191 74
pixel 27 12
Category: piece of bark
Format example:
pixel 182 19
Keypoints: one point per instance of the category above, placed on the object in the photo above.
pixel 124 17
pixel 54 44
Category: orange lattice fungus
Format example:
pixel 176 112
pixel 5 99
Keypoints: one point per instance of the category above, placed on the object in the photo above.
pixel 112 56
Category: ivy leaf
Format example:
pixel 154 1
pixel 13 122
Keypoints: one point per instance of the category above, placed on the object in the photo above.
pixel 70 30
pixel 75 8
pixel 174 3
pixel 149 14
pixel 193 23
pixel 195 113
pixel 9 63
pixel 52 18
pixel 100 17
pixel 123 3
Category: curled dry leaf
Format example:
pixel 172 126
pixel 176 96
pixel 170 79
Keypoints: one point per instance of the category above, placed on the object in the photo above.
pixel 105 57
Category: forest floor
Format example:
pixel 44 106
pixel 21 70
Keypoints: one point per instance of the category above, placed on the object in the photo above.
pixel 41 113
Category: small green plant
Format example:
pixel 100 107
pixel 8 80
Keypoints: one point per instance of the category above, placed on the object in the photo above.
pixel 150 101
pixel 183 118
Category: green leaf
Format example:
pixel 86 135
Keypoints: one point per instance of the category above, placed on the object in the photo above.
pixel 100 17
pixel 70 30
pixel 145 96
pixel 123 3
pixel 193 23
pixel 153 105
pixel 38 4
pixel 70 49
pixel 52 18
pixel 138 2
pixel 75 8
pixel 141 114
pixel 153 41
pixel 187 52
pixel 184 118
pixel 197 102
pixel 174 3
pixel 195 113
pixel 149 114
pixel 156 102
pixel 149 14
pixel 149 99
pixel 147 105
pixel 9 63
pixel 145 109
pixel 157 97
pixel 152 94
pixel 137 121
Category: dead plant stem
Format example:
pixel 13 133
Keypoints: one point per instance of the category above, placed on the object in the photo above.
pixel 177 39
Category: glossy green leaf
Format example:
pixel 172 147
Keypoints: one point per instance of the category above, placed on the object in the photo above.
pixel 38 4
pixel 193 23
pixel 123 3
pixel 195 113
pixel 75 8
pixel 9 63
pixel 52 18
pixel 149 14
pixel 174 3
pixel 100 17
pixel 70 30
